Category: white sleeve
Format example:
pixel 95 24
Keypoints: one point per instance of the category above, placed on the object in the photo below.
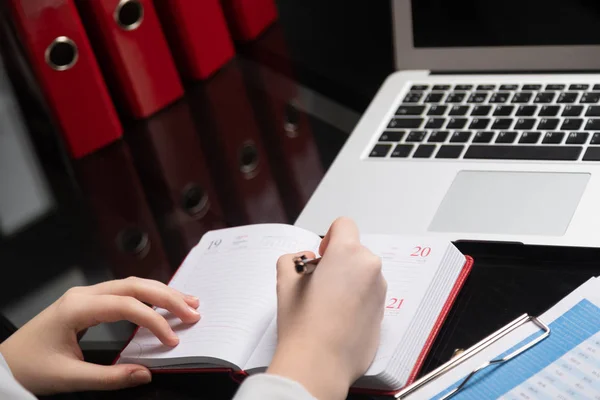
pixel 271 387
pixel 9 387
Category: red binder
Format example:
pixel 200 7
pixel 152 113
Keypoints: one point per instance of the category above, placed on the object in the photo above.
pixel 249 18
pixel 232 141
pixel 133 52
pixel 125 225
pixel 198 35
pixel 290 140
pixel 172 167
pixel 64 64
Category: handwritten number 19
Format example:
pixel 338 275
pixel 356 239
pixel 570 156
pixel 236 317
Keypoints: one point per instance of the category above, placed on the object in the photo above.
pixel 419 251
pixel 214 244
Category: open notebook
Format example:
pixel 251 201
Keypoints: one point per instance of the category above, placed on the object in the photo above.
pixel 233 273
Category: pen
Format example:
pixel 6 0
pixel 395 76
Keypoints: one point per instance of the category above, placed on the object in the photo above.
pixel 306 266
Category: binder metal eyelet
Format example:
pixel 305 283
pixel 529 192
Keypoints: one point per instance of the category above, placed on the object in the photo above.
pixel 436 373
pixel 249 160
pixel 62 54
pixel 129 14
pixel 133 241
pixel 195 201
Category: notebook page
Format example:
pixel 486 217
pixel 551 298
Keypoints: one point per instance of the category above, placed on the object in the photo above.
pixel 233 272
pixel 409 265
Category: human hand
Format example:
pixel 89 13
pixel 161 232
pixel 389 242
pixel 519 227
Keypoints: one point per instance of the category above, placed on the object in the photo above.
pixel 45 357
pixel 328 323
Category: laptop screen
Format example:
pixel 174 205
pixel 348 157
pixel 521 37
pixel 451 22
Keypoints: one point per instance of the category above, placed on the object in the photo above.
pixel 468 23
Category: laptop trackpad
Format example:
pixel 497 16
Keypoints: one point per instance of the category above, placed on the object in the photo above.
pixel 525 203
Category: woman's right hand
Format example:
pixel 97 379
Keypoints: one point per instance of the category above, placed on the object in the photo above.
pixel 329 322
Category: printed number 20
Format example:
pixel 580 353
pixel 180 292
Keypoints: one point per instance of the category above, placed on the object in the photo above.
pixel 419 251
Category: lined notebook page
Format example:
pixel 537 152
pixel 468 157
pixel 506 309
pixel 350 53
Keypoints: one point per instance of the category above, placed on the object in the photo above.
pixel 233 272
pixel 409 266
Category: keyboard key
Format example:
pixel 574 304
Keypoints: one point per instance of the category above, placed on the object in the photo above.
pixel 440 87
pixel 435 123
pixel 438 136
pixel 486 87
pixel 460 137
pixel 571 124
pixel 548 124
pixel 392 136
pixel 553 138
pixel 595 139
pixel 478 97
pixel 567 97
pixel 449 151
pixel 579 86
pixel 549 111
pixel 500 97
pixel 524 124
pixel 434 98
pixel 555 87
pixel 596 87
pixel 480 123
pixel 502 123
pixel 593 124
pixel 481 111
pixel 545 97
pixel 413 97
pixel 593 111
pixel 410 110
pixel 530 137
pixel 526 111
pixel 458 110
pixel 437 110
pixel 532 87
pixel 405 123
pixel 509 87
pixel 380 150
pixel 402 150
pixel 506 137
pixel 424 151
pixel 590 98
pixel 572 111
pixel 541 153
pixel 522 97
pixel 419 87
pixel 457 123
pixel 503 111
pixel 416 136
pixel 483 137
pixel 463 87
pixel 577 138
pixel 455 97
pixel 592 154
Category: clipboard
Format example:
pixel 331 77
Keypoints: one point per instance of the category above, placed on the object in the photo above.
pixel 475 349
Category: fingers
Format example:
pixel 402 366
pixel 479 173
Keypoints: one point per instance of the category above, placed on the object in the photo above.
pixel 152 292
pixel 91 310
pixel 342 230
pixel 285 265
pixel 86 377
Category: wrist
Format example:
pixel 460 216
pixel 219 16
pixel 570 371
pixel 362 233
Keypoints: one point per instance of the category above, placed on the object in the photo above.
pixel 321 373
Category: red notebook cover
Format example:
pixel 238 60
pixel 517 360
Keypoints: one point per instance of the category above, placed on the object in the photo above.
pixel 133 53
pixel 198 35
pixel 462 277
pixel 61 57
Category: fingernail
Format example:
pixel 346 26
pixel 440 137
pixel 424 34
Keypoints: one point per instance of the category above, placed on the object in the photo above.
pixel 141 377
pixel 174 339
pixel 193 311
pixel 190 297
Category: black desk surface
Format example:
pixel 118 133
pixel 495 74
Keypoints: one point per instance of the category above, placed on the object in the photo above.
pixel 247 146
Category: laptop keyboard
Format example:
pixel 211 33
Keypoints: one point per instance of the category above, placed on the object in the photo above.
pixel 553 122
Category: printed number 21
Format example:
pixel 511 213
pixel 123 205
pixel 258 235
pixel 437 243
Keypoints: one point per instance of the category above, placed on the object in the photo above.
pixel 419 251
pixel 395 303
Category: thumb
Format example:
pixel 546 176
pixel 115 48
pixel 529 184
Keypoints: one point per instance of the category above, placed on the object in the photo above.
pixel 85 376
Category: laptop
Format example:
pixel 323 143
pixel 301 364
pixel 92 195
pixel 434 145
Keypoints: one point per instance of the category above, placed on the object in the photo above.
pixel 489 131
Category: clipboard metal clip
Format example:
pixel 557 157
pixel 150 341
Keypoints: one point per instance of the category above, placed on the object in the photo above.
pixel 522 320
